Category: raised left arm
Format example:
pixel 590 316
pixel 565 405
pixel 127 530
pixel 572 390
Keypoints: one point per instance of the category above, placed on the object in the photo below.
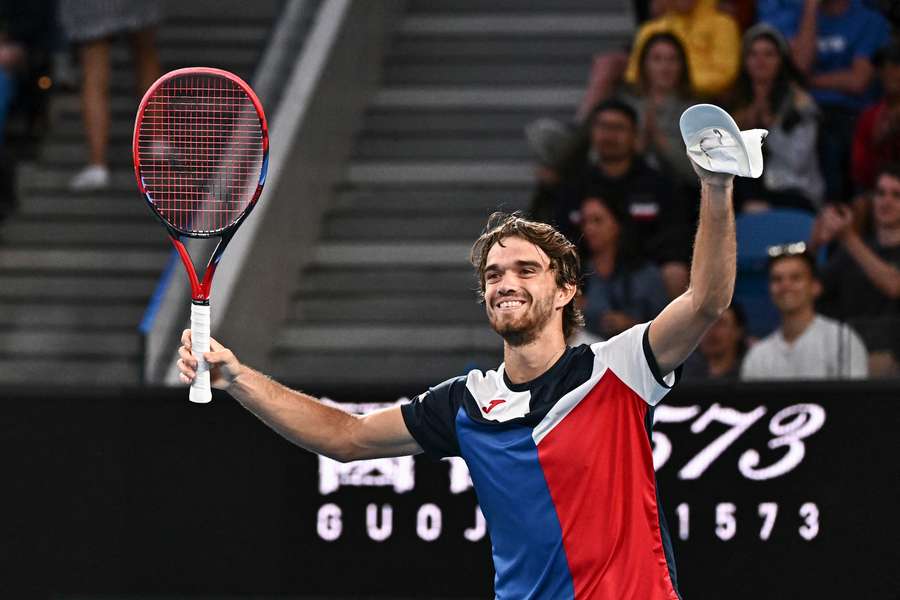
pixel 677 330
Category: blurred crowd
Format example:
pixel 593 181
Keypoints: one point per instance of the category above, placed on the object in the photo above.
pixel 40 42
pixel 27 41
pixel 823 77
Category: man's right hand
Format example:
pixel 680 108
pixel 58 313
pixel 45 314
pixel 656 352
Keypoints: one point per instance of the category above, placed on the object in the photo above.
pixel 224 366
pixel 711 178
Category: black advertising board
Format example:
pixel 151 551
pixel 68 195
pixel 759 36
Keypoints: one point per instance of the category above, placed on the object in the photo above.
pixel 770 491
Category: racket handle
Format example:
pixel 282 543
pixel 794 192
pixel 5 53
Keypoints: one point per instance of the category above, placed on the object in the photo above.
pixel 200 389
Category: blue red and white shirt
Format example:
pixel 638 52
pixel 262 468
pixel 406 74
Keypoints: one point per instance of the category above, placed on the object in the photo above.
pixel 563 470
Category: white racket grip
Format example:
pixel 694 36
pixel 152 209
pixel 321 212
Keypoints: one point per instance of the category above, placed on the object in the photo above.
pixel 200 389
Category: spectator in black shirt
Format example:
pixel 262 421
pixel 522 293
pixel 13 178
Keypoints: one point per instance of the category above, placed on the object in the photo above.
pixel 617 172
pixel 862 279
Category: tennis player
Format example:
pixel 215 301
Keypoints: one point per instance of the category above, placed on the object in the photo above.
pixel 557 438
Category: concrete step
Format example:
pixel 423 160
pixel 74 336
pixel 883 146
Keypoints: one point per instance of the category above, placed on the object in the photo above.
pixel 99 231
pixel 36 179
pixel 415 370
pixel 74 153
pixel 71 129
pixel 522 24
pixel 235 53
pixel 110 315
pixel 476 122
pixel 502 74
pixel 441 148
pixel 370 308
pixel 387 280
pixel 122 80
pixel 70 104
pixel 123 108
pixel 61 342
pixel 399 229
pixel 539 98
pixel 103 371
pixel 190 33
pixel 478 50
pixel 432 254
pixel 429 201
pixel 101 204
pixel 504 6
pixel 497 173
pixel 386 338
pixel 216 11
pixel 101 288
pixel 17 258
pixel 481 121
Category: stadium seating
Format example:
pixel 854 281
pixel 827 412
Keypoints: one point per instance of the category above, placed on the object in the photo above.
pixel 755 233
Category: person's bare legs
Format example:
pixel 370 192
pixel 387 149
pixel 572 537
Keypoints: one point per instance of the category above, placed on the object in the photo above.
pixel 145 57
pixel 94 56
pixel 95 97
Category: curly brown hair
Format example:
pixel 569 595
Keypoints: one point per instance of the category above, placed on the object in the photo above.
pixel 563 254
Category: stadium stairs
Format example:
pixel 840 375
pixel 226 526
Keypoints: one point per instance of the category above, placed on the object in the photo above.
pixel 388 297
pixel 73 287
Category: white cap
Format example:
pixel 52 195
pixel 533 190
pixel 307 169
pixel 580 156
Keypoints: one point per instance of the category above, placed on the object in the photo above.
pixel 714 142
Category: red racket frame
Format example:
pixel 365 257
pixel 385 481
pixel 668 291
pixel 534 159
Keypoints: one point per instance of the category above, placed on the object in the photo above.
pixel 200 289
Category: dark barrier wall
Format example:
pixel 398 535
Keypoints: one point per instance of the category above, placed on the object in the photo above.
pixel 769 491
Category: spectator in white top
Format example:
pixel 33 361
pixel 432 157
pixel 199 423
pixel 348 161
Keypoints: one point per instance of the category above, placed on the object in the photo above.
pixel 806 345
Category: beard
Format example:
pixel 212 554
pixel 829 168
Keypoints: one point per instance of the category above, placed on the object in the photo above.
pixel 524 328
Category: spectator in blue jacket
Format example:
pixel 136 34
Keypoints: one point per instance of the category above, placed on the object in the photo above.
pixel 833 43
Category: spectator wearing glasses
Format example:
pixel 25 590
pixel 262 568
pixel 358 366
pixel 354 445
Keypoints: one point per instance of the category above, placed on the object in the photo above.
pixel 618 173
pixel 862 279
pixel 806 345
pixel 659 97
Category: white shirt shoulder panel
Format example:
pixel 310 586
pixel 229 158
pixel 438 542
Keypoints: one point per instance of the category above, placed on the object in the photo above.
pixel 624 355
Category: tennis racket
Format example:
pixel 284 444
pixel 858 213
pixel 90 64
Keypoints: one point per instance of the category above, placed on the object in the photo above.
pixel 201 151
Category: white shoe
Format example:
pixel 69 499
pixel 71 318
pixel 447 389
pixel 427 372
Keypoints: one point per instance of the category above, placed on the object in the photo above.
pixel 92 177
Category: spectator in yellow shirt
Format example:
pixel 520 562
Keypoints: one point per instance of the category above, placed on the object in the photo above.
pixel 712 40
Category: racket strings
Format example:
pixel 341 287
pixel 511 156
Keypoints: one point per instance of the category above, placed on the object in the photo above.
pixel 200 145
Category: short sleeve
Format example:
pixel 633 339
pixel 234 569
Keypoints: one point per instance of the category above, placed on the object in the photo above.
pixel 630 357
pixel 431 418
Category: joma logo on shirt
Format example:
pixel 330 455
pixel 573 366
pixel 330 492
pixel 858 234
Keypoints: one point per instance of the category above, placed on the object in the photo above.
pixel 487 409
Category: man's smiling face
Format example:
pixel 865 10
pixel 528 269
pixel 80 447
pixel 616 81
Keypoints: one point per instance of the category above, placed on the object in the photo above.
pixel 519 290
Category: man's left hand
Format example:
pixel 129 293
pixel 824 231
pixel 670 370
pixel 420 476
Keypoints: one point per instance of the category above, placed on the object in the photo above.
pixel 836 222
